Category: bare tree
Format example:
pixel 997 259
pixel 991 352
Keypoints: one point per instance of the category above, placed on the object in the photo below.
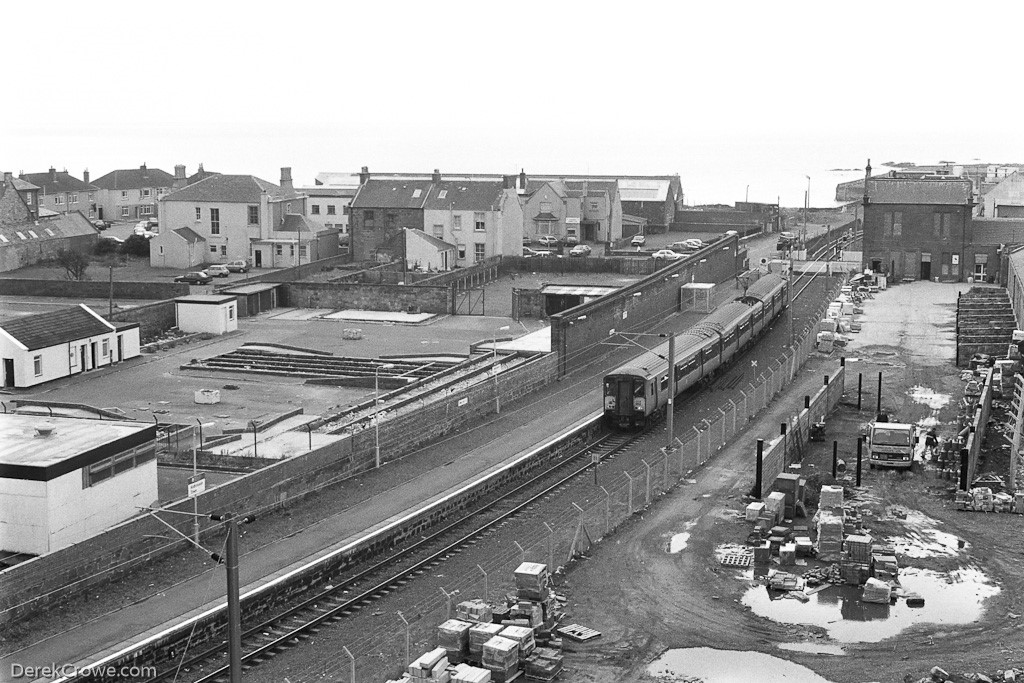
pixel 74 263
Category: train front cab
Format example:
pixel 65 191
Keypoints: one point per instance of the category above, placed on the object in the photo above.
pixel 625 401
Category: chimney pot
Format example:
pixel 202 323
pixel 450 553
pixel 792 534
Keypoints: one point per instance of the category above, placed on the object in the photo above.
pixel 143 167
pixel 522 179
pixel 85 176
pixel 8 178
pixel 53 174
pixel 179 171
pixel 436 177
pixel 364 175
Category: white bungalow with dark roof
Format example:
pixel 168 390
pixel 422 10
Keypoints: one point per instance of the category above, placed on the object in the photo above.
pixel 64 479
pixel 40 348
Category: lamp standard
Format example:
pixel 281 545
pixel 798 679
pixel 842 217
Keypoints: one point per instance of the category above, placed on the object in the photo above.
pixel 807 203
pixel 494 363
pixel 376 409
pixel 195 478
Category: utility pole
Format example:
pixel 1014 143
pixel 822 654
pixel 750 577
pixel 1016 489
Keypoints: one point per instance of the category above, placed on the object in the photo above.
pixel 234 604
pixel 671 391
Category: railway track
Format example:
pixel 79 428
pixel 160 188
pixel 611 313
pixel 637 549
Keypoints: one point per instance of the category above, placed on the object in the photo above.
pixel 351 594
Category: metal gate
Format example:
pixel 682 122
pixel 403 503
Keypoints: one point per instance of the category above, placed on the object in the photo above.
pixel 469 301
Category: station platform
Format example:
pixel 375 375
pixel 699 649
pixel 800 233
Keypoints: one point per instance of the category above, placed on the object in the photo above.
pixel 382 495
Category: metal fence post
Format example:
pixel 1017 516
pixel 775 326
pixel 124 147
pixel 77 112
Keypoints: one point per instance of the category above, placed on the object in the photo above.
pixel 404 621
pixel 664 477
pixel 522 552
pixel 607 511
pixel 723 425
pixel 551 547
pixel 629 500
pixel 352 665
pixel 647 480
pixel 733 403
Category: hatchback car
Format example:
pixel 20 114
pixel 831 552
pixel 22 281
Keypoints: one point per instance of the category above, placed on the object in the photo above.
pixel 218 270
pixel 667 254
pixel 638 241
pixel 580 250
pixel 547 240
pixel 572 239
pixel 237 266
pixel 198 277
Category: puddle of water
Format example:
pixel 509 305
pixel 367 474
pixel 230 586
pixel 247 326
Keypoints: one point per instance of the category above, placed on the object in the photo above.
pixel 950 598
pixel 726 666
pixel 678 541
pixel 923 539
pixel 813 648
pixel 929 397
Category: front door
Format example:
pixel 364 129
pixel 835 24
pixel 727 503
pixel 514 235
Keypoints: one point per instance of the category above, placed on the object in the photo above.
pixel 81 350
pixel 93 348
pixel 926 270
pixel 8 372
pixel 258 258
pixel 120 347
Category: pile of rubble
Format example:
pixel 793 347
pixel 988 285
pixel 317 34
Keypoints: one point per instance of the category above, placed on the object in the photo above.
pixel 501 642
pixel 940 675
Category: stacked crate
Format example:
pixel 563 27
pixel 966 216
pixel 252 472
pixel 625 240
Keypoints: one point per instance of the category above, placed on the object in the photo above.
pixel 476 611
pixel 522 635
pixel 830 534
pixel 478 635
pixel 430 667
pixel 534 600
pixel 464 673
pixel 453 636
pixel 831 498
pixel 775 506
pixel 501 657
pixel 792 487
pixel 543 665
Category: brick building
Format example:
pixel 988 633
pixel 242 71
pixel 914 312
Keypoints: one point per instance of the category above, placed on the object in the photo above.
pixel 26 238
pixel 381 208
pixel 918 228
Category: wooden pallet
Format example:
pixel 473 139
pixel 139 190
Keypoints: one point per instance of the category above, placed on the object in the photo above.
pixel 578 633
pixel 736 560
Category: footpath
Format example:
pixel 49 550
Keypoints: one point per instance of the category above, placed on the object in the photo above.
pixel 386 494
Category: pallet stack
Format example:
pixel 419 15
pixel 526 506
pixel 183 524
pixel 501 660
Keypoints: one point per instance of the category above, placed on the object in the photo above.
pixel 476 611
pixel 522 635
pixel 464 673
pixel 430 667
pixel 830 534
pixel 501 658
pixel 543 665
pixel 478 635
pixel 453 636
pixel 535 602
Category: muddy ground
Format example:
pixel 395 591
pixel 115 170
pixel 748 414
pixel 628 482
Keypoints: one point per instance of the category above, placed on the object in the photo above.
pixel 646 600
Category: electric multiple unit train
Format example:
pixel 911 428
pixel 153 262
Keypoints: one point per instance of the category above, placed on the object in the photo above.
pixel 636 393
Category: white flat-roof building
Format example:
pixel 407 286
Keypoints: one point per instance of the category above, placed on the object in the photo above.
pixel 64 479
pixel 213 313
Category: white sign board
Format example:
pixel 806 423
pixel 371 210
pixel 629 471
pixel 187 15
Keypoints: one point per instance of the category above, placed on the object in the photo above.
pixel 463 401
pixel 196 485
pixel 572 220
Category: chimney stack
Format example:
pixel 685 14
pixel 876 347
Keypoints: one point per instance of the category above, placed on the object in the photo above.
pixel 522 179
pixel 867 177
pixel 143 167
pixel 506 182
pixel 8 178
pixel 286 180
pixel 436 177
pixel 85 176
pixel 53 174
pixel 364 175
pixel 179 171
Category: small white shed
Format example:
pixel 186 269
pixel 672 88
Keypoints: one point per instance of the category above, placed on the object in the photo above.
pixel 212 313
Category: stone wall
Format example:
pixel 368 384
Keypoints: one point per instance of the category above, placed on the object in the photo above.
pixel 342 295
pixel 154 319
pixel 91 289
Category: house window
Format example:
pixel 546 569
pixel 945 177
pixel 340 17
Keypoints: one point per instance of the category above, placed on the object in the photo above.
pixel 315 209
pixel 74 197
pixel 223 250
pixel 213 249
pixel 146 193
pixel 442 194
pixel 57 199
pixel 479 253
pixel 368 218
pixel 28 199
pixel 887 224
pixel 545 207
pixel 146 210
pixel 124 212
pixel 280 250
pixel 92 212
pixel 479 224
pixel 416 193
pixel 942 224
pixel 231 312
pixel 20 234
pixel 37 365
pixel 438 231
pixel 199 213
pixel 389 220
pixel 73 358
pixel 288 207
pixel 160 250
pixel 51 233
pixel 32 233
pixel 593 206
pixel 462 251
pixel 291 250
pixel 456 222
pixel 214 221
pixel 106 348
pixel 330 209
pixel 897 224
pixel 302 250
pixel 545 228
pixel 124 194
pixel 92 196
pixel 254 215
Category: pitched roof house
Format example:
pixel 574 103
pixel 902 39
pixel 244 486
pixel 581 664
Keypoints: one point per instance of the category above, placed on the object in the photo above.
pixel 62 192
pixel 132 193
pixel 242 217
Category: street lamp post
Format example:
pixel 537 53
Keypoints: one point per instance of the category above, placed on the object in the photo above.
pixel 376 410
pixel 807 203
pixel 494 363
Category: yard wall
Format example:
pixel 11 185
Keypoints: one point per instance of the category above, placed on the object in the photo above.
pixel 371 297
pixel 91 289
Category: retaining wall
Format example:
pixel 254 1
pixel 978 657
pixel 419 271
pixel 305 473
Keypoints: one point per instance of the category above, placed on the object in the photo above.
pixel 91 289
pixel 371 297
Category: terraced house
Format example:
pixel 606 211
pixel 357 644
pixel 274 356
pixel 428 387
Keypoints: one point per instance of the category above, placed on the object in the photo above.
pixel 132 193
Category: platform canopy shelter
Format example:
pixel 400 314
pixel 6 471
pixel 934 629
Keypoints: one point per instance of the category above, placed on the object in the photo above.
pixel 697 296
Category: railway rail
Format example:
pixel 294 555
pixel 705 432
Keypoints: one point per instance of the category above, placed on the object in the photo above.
pixel 351 593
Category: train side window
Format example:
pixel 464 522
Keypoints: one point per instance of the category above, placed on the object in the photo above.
pixel 664 383
pixel 652 388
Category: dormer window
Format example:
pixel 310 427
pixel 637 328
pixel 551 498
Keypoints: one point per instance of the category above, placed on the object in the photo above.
pixel 442 194
pixel 416 193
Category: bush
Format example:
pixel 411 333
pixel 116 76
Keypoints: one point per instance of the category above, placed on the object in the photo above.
pixel 104 247
pixel 136 245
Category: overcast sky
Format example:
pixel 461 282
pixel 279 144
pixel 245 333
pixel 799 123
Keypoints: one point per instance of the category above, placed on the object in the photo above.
pixel 725 94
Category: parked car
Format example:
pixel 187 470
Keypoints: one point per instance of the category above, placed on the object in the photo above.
pixel 143 229
pixel 527 240
pixel 667 254
pixel 237 266
pixel 547 240
pixel 217 270
pixel 687 245
pixel 638 241
pixel 112 238
pixel 100 225
pixel 544 253
pixel 198 277
pixel 528 252
pixel 152 222
pixel 580 250
pixel 572 239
